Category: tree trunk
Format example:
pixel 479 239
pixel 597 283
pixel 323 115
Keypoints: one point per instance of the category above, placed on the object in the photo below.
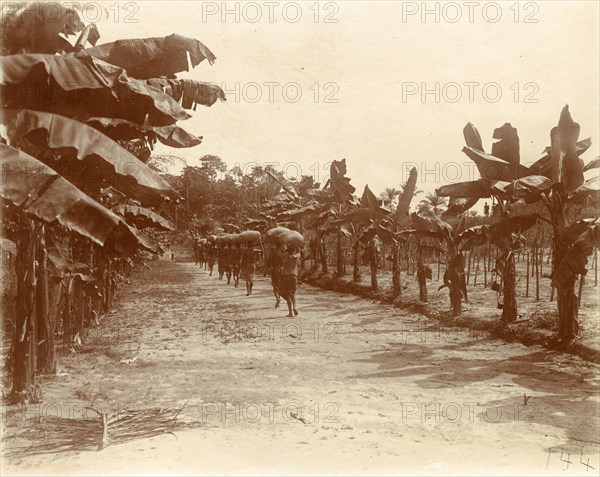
pixel 454 278
pixel 356 262
pixel 396 281
pixel 340 255
pixel 46 363
pixel 374 259
pixel 24 352
pixel 568 326
pixel 509 309
pixel 323 252
pixel 421 273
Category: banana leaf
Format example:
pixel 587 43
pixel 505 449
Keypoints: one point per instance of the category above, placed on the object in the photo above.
pixel 310 209
pixel 170 135
pixel 566 165
pixel 189 93
pixel 152 57
pixel 593 164
pixel 431 227
pixel 543 166
pixel 408 192
pixel 339 183
pixel 88 158
pixel 37 27
pixel 478 189
pixel 368 200
pixel 279 178
pixel 472 137
pixel 494 169
pixel 142 218
pixel 458 205
pixel 42 193
pixel 83 87
pixel 507 148
pixel 574 246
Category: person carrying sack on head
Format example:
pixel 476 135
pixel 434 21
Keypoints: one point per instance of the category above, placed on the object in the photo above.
pixel 289 278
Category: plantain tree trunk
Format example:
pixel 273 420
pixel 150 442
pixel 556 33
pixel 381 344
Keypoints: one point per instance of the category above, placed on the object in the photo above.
pixel 454 279
pixel 340 254
pixel 46 361
pixel 509 309
pixel 323 248
pixel 396 281
pixel 356 262
pixel 421 273
pixel 24 352
pixel 374 258
pixel 568 325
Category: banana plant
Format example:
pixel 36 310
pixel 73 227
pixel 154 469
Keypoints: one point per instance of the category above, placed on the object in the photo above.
pixel 557 181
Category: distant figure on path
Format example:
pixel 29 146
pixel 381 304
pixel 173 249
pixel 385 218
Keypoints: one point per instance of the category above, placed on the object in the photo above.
pixel 212 255
pixel 248 266
pixel 289 278
pixel 486 210
pixel 275 264
pixel 172 256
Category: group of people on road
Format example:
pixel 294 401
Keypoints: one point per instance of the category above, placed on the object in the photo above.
pixel 239 261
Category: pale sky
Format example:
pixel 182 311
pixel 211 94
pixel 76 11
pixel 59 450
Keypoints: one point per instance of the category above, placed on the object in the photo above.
pixel 365 61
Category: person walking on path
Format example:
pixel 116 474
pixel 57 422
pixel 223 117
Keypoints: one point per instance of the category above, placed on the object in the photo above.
pixel 248 268
pixel 212 255
pixel 289 278
pixel 275 263
pixel 236 261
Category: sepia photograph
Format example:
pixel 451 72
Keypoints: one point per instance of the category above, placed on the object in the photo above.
pixel 300 238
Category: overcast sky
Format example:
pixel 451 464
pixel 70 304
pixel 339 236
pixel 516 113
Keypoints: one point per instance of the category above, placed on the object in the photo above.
pixel 360 68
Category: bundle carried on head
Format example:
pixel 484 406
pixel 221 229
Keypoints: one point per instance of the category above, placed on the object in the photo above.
pixel 250 236
pixel 273 234
pixel 291 238
pixel 285 236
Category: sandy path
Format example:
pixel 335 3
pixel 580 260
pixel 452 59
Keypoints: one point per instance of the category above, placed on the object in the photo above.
pixel 349 387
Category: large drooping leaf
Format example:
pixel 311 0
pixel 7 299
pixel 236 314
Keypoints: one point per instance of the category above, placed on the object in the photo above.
pixel 478 189
pixel 574 245
pixel 87 157
pixel 368 200
pixel 382 229
pixel 494 169
pixel 543 166
pixel 152 57
pixel 319 194
pixel 529 188
pixel 189 93
pixel 593 164
pixel 37 27
pixel 278 178
pixel 567 167
pixel 338 181
pixel 83 87
pixel 458 205
pixel 309 209
pixel 361 216
pixel 39 191
pixel 472 137
pixel 170 135
pixel 408 192
pixel 473 236
pixel 507 148
pixel 500 233
pixel 142 218
pixel 431 226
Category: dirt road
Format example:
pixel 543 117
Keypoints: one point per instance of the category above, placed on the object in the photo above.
pixel 348 386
